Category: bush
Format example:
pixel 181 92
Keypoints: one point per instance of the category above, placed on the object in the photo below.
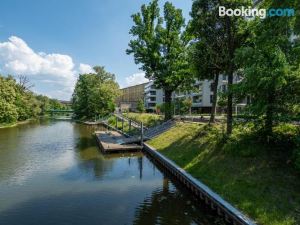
pixel 297 158
pixel 8 113
pixel 285 136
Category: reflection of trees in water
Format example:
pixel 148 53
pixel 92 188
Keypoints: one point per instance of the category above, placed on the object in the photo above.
pixel 168 206
pixel 90 159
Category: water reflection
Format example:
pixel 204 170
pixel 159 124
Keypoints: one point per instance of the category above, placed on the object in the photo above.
pixel 169 205
pixel 53 173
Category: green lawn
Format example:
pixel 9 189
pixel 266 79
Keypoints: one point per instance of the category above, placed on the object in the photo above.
pixel 261 183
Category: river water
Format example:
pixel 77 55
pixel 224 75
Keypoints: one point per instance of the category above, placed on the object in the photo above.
pixel 52 172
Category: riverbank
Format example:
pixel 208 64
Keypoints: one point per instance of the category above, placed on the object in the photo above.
pixel 7 125
pixel 261 183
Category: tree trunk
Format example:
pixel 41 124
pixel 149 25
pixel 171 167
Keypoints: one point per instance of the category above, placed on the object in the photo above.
pixel 269 115
pixel 215 98
pixel 168 105
pixel 229 103
pixel 230 71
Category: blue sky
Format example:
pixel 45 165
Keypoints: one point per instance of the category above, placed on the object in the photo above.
pixel 51 41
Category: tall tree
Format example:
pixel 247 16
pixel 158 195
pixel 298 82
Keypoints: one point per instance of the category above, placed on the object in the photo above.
pixel 218 37
pixel 207 51
pixel 271 66
pixel 95 94
pixel 160 46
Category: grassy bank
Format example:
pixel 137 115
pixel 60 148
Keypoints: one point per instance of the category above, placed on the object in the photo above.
pixel 6 125
pixel 148 119
pixel 258 180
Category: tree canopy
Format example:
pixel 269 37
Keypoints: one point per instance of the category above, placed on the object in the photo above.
pixel 18 103
pixel 270 65
pixel 95 94
pixel 160 47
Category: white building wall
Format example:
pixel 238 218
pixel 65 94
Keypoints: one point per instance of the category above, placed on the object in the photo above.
pixel 153 96
pixel 201 97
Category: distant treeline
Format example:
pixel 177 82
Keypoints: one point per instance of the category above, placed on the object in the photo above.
pixel 18 103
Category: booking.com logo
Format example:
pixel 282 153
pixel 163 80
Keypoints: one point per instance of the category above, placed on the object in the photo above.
pixel 254 12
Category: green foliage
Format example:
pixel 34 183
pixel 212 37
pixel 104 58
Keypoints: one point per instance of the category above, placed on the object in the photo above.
pixel 216 40
pixel 47 104
pixel 297 155
pixel 160 46
pixel 95 94
pixel 270 68
pixel 140 106
pixel 18 103
pixel 264 186
pixel 188 102
pixel 148 119
pixel 163 107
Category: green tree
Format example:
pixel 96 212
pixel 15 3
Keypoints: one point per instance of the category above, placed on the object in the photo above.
pixel 188 103
pixel 95 94
pixel 207 53
pixel 8 110
pixel 270 66
pixel 160 46
pixel 217 39
pixel 140 106
pixel 18 103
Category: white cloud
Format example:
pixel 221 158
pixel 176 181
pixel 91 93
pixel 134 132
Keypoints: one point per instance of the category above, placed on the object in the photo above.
pixel 85 68
pixel 53 74
pixel 137 78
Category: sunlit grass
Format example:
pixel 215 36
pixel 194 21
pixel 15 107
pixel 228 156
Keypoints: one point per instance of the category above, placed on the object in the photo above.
pixel 149 119
pixel 246 173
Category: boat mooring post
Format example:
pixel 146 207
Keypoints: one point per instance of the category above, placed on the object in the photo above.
pixel 142 133
pixel 116 122
pixel 129 125
pixel 122 124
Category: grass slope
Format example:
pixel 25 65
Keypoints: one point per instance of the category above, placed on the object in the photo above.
pixel 258 182
pixel 148 119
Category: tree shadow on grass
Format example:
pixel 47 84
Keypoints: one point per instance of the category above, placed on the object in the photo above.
pixel 245 175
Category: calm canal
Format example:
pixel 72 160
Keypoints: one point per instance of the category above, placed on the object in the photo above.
pixel 51 172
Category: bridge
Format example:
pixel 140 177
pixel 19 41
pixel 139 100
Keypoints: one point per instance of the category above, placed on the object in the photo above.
pixel 61 111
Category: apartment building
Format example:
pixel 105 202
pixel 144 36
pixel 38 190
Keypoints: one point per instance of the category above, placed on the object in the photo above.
pixel 152 96
pixel 130 96
pixel 201 95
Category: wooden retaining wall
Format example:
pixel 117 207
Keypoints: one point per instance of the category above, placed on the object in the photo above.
pixel 200 190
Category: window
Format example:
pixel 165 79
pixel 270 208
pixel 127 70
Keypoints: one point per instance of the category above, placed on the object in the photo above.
pixel 152 99
pixel 151 104
pixel 211 98
pixel 224 77
pixel 152 92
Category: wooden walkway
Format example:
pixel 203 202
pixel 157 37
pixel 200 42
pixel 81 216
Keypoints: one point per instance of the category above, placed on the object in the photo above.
pixel 113 141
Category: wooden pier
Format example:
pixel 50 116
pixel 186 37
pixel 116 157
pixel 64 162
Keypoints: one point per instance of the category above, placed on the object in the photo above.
pixel 113 141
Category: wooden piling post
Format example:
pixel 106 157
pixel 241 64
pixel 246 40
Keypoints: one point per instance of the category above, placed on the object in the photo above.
pixel 142 133
pixel 129 125
pixel 116 122
pixel 122 124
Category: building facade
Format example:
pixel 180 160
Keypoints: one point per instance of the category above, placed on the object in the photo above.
pixel 201 95
pixel 152 96
pixel 130 96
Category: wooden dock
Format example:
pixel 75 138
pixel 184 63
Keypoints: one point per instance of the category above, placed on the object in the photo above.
pixel 113 141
